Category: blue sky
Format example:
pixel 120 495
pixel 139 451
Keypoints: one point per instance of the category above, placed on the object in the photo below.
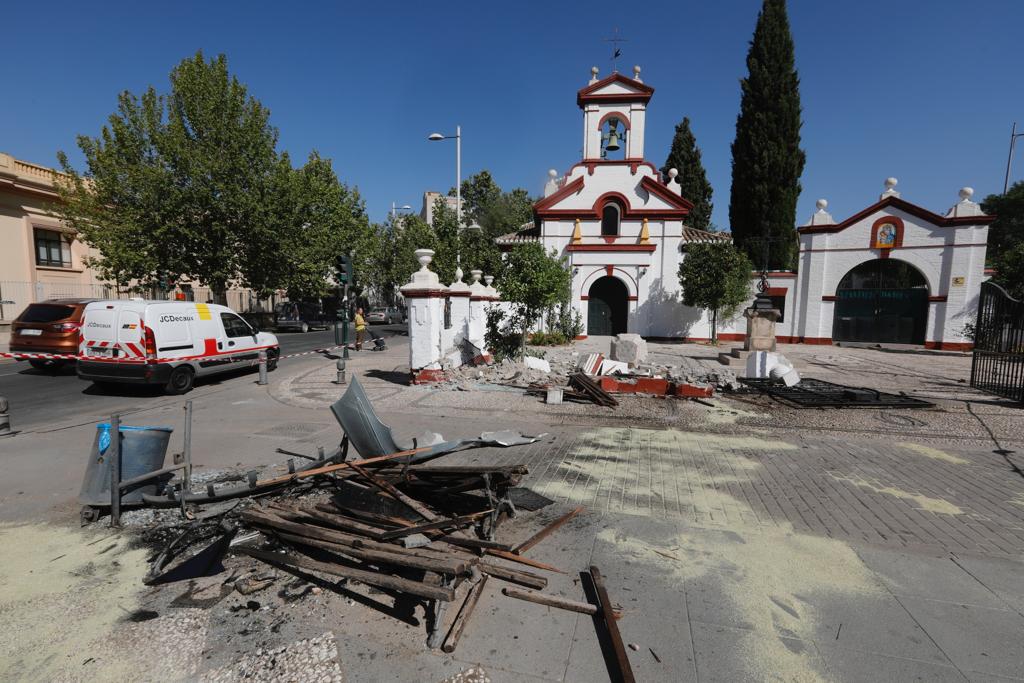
pixel 925 91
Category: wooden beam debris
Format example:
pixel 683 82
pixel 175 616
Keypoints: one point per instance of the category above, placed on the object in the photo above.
pixel 543 533
pixel 608 616
pixel 551 601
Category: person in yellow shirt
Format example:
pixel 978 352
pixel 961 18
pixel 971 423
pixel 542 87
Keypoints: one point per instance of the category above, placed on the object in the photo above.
pixel 360 329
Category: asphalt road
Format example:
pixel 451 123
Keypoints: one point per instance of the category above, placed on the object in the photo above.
pixel 41 401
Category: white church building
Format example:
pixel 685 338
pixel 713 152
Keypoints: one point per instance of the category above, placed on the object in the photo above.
pixel 892 273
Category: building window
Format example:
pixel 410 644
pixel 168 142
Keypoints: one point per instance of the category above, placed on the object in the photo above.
pixel 610 217
pixel 52 249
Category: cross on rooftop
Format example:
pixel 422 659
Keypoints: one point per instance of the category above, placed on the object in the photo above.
pixel 616 52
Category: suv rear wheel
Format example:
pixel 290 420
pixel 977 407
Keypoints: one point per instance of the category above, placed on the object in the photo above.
pixel 181 380
pixel 305 327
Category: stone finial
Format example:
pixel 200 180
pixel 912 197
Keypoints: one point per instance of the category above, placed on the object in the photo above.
pixel 593 74
pixel 551 186
pixel 458 285
pixel 966 206
pixel 890 191
pixel 636 74
pixel 489 288
pixel 672 173
pixel 476 274
pixel 821 216
pixel 577 233
pixel 672 183
pixel 424 278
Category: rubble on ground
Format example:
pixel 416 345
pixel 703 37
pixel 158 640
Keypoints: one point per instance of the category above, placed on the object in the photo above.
pixel 633 361
pixel 387 523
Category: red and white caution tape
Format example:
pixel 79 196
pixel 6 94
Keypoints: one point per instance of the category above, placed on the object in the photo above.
pixel 140 359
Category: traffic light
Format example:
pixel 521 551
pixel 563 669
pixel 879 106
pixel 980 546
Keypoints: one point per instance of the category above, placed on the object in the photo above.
pixel 346 275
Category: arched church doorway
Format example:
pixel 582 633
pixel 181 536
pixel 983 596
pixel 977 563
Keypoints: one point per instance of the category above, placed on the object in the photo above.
pixel 608 307
pixel 882 301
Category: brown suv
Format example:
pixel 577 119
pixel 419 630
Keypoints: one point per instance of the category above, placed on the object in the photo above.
pixel 48 327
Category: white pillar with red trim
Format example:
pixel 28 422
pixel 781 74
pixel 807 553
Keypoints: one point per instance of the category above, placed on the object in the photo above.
pixel 425 296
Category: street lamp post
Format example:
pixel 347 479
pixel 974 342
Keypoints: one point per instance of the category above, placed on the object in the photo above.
pixel 458 185
pixel 1013 141
pixel 395 209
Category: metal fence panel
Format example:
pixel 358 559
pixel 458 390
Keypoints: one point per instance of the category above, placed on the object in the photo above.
pixel 998 365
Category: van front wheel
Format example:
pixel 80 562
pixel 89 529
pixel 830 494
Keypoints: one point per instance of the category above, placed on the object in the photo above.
pixel 181 380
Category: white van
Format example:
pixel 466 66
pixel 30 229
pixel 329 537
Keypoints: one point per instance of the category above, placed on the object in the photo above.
pixel 166 342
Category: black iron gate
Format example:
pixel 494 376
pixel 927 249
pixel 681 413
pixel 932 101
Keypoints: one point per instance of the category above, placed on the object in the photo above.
pixel 998 366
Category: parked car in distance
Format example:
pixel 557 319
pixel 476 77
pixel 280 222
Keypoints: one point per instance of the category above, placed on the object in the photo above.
pixel 385 315
pixel 167 342
pixel 48 327
pixel 302 316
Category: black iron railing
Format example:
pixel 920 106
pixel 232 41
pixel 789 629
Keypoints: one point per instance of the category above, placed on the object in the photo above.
pixel 998 366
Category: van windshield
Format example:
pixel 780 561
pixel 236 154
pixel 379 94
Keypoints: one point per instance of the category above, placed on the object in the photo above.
pixel 45 313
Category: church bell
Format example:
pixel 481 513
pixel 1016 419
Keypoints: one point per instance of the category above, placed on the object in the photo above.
pixel 612 143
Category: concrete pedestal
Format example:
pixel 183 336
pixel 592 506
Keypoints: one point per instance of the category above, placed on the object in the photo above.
pixel 760 328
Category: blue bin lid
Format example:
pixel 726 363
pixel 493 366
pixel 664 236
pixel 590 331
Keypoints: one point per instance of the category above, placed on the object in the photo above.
pixel 105 426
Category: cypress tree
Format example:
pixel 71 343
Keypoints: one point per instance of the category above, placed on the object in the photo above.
pixel 685 158
pixel 766 157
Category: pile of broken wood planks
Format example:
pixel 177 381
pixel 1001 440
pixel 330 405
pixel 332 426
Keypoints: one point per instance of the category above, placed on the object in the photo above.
pixel 592 390
pixel 404 530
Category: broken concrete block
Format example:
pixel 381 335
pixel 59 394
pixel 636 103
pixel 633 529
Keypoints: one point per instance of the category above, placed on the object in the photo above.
pixel 610 367
pixel 760 363
pixel 415 541
pixel 535 363
pixel 591 363
pixel 784 374
pixel 629 348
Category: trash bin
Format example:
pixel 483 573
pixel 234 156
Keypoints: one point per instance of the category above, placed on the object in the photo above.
pixel 143 450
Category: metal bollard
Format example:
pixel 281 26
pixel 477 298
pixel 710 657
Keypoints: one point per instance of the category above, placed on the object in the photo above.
pixel 263 368
pixel 5 418
pixel 341 371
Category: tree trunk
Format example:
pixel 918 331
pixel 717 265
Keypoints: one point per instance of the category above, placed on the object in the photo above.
pixel 714 326
pixel 220 294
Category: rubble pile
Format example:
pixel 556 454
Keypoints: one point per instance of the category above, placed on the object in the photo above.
pixel 552 366
pixel 390 519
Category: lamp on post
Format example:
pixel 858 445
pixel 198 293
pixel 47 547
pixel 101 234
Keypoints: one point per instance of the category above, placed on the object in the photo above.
pixel 435 137
pixel 395 209
pixel 1013 142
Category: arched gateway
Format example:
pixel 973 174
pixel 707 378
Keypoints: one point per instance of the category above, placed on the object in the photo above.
pixel 882 301
pixel 608 307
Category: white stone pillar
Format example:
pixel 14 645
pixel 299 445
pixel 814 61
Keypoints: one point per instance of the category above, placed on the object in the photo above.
pixel 425 297
pixel 479 298
pixel 459 295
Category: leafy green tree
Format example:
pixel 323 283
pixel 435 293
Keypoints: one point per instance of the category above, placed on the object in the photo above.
pixel 1006 238
pixel 534 281
pixel 685 157
pixel 766 157
pixel 177 183
pixel 479 191
pixel 715 277
pixel 315 218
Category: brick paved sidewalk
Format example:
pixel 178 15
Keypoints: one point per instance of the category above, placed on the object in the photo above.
pixel 886 493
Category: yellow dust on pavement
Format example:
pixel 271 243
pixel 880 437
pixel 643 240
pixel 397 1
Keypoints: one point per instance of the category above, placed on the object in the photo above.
pixel 62 591
pixel 934 453
pixel 927 503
